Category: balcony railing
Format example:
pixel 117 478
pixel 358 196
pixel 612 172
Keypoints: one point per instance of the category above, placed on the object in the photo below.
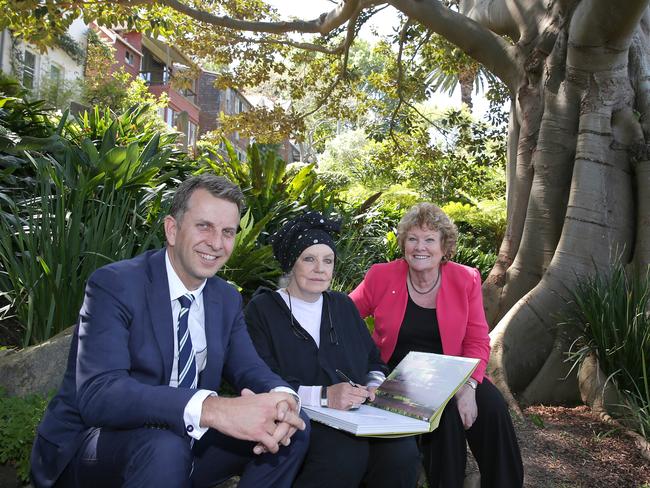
pixel 188 94
pixel 158 77
pixel 163 77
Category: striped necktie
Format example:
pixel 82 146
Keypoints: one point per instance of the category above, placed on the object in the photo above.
pixel 187 377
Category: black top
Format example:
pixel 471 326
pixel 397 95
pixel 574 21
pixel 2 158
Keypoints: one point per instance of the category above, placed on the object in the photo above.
pixel 292 353
pixel 419 332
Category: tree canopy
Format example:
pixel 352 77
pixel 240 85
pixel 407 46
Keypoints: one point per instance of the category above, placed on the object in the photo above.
pixel 575 71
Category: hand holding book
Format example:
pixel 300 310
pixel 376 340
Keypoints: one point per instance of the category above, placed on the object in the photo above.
pixel 410 401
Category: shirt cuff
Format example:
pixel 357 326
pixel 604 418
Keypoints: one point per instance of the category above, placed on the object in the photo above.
pixel 310 395
pixel 375 378
pixel 192 414
pixel 288 390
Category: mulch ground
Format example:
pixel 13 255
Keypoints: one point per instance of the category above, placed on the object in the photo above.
pixel 572 448
pixel 561 448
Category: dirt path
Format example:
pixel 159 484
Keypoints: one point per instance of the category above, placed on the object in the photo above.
pixel 571 448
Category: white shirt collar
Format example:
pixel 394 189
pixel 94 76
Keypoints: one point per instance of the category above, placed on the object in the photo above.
pixel 176 286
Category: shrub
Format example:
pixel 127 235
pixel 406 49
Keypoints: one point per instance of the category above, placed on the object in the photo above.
pixel 367 237
pixel 269 185
pixel 91 193
pixel 19 418
pixel 20 117
pixel 481 227
pixel 469 254
pixel 610 313
pixel 251 264
pixel 275 192
pixel 482 223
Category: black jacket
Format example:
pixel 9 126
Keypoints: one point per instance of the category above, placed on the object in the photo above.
pixel 345 343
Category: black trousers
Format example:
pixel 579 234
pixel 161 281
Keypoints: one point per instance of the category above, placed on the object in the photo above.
pixel 341 460
pixel 491 438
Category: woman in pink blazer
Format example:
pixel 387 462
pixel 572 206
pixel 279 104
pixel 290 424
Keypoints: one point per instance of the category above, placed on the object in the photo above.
pixel 425 302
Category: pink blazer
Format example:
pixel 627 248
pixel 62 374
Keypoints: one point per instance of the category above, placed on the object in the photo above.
pixel 459 307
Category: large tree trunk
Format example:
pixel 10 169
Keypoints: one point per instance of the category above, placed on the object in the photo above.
pixel 577 169
pixel 576 201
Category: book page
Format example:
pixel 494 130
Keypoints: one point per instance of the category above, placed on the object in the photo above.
pixel 422 383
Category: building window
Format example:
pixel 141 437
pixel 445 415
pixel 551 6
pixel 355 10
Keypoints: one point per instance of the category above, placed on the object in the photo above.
pixel 240 106
pixel 56 74
pixel 171 117
pixel 129 58
pixel 29 69
pixel 191 134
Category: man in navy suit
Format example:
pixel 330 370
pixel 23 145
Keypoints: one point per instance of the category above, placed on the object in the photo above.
pixel 123 415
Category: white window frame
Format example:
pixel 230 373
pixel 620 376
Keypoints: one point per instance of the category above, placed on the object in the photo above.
pixel 30 70
pixel 61 73
pixel 129 57
pixel 191 134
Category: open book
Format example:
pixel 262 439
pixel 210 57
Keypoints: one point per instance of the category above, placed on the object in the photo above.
pixel 410 401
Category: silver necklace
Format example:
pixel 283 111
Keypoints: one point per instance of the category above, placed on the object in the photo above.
pixel 435 283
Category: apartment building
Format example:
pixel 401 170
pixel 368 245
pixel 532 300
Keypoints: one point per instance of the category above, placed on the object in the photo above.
pixel 213 102
pixel 157 63
pixel 52 73
pixel 193 109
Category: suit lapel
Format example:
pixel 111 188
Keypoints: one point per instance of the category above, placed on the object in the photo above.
pixel 160 309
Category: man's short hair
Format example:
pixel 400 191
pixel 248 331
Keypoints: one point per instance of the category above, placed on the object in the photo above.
pixel 218 186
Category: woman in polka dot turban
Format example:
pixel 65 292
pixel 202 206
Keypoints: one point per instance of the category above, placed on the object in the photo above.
pixel 315 339
pixel 300 233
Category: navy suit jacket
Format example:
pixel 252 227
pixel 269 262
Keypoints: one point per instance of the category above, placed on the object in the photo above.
pixel 121 356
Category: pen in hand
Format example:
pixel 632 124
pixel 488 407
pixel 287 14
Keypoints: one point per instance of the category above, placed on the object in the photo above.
pixel 349 381
pixel 345 377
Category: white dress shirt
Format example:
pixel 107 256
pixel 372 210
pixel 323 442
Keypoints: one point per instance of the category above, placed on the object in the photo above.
pixel 196 325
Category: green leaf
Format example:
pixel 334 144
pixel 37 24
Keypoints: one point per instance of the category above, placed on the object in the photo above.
pixel 537 421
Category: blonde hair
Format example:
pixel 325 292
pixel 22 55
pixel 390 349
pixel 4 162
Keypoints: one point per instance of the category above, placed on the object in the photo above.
pixel 429 216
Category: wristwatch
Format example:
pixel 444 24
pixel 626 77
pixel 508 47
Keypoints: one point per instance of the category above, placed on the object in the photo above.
pixel 323 396
pixel 472 383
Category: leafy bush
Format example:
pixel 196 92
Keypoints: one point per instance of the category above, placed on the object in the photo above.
pixel 611 316
pixel 271 187
pixel 275 192
pixel 251 264
pixel 93 193
pixel 367 237
pixel 19 418
pixel 482 224
pixel 20 117
pixel 471 255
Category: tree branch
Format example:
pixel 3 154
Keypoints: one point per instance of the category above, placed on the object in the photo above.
pixel 603 22
pixel 325 23
pixel 400 76
pixel 349 37
pixel 323 99
pixel 306 46
pixel 486 47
